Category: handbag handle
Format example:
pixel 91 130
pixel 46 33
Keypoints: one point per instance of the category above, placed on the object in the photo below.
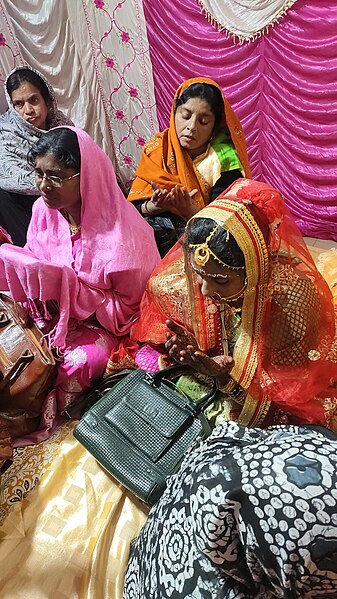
pixel 17 369
pixel 93 394
pixel 197 406
pixel 101 386
pixel 4 320
pixel 169 372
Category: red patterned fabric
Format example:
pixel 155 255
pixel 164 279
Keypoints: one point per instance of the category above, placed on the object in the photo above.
pixel 286 352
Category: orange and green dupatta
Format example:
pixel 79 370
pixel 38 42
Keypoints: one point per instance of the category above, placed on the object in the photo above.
pixel 166 163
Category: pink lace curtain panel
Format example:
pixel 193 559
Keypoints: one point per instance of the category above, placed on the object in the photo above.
pixel 282 85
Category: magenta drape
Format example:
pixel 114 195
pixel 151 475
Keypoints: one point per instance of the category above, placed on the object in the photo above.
pixel 283 87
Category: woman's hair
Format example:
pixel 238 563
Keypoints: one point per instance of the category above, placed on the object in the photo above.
pixel 207 92
pixel 222 243
pixel 16 79
pixel 61 143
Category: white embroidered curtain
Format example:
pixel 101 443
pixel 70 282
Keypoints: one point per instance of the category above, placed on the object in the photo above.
pixel 95 54
pixel 10 55
pixel 244 19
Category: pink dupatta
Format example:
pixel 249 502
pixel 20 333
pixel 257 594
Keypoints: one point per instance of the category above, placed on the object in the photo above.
pixel 114 259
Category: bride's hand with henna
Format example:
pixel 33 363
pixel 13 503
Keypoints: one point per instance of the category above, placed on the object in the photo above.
pixel 179 343
pixel 183 348
pixel 218 367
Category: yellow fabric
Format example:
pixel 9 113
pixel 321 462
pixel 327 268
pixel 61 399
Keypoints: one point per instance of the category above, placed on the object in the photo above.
pixel 326 262
pixel 70 537
pixel 219 157
pixel 28 466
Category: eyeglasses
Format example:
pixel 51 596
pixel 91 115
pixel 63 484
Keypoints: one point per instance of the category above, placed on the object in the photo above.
pixel 51 179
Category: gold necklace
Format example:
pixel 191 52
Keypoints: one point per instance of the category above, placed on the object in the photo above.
pixel 74 228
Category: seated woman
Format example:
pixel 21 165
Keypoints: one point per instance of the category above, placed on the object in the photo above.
pixel 247 305
pixel 251 514
pixel 32 110
pixel 189 164
pixel 84 268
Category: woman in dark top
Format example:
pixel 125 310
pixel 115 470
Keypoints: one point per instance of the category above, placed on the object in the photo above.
pixel 32 111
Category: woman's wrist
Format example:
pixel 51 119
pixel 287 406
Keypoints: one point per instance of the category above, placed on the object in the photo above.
pixel 144 207
pixel 222 381
pixel 188 213
pixel 232 389
pixel 149 208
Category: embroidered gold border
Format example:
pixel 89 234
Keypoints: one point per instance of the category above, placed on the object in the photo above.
pixel 138 192
pixel 239 221
pixel 262 412
pixel 248 411
pixel 126 362
pixel 153 143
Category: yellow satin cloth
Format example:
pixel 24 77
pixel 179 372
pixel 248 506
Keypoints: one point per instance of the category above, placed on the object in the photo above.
pixel 70 537
pixel 326 262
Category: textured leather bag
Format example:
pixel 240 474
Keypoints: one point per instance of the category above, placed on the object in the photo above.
pixel 27 369
pixel 140 428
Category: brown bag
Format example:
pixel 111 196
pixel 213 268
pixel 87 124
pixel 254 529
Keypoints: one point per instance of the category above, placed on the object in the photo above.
pixel 27 369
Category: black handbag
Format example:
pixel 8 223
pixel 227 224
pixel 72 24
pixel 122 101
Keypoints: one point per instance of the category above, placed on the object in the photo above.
pixel 141 428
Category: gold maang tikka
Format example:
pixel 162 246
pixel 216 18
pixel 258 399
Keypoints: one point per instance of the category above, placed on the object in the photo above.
pixel 203 252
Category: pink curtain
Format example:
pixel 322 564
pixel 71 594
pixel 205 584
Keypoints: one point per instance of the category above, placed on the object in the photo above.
pixel 283 87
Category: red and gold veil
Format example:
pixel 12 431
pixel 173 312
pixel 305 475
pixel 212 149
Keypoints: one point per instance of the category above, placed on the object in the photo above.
pixel 286 353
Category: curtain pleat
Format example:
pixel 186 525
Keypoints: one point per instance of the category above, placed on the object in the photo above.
pixel 283 86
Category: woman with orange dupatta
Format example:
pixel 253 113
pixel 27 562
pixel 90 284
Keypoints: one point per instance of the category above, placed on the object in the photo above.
pixel 189 164
pixel 246 305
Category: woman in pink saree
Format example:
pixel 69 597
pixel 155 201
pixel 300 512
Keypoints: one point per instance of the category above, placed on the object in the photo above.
pixel 84 268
